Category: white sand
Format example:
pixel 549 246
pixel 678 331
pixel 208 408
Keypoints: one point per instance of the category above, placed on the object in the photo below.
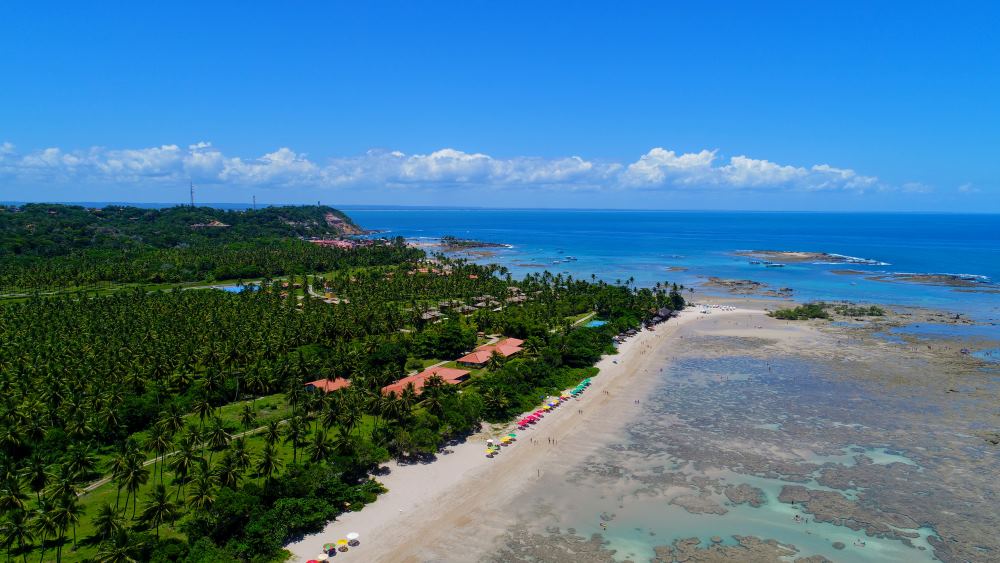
pixel 426 501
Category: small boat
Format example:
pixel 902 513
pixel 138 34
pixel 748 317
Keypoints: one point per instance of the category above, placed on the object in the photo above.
pixel 773 265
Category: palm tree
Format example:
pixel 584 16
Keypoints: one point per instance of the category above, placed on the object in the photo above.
pixel 45 527
pixel 158 443
pixel 321 448
pixel 107 522
pixel 62 521
pixel 203 408
pixel 136 475
pixel 228 472
pixel 248 417
pixel 172 419
pixel 331 410
pixel 203 494
pixel 119 549
pixel 496 361
pixel 184 461
pixel 217 437
pixel 270 462
pixel 70 510
pixel 273 433
pixel 118 467
pixel 62 483
pixel 11 497
pixel 80 460
pixel 345 443
pixel 17 530
pixel 241 456
pixel 293 435
pixel 159 509
pixel 36 475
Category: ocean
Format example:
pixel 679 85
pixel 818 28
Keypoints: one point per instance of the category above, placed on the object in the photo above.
pixel 688 247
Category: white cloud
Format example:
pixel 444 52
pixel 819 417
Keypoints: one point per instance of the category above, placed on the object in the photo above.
pixel 658 169
pixel 915 188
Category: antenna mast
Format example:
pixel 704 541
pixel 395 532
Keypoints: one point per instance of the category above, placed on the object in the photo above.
pixel 192 195
pixel 255 203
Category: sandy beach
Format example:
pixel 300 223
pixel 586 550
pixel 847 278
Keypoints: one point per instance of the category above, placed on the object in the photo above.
pixel 428 502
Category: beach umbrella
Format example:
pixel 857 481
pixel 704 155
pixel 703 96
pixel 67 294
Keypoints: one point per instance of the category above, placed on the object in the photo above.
pixel 329 546
pixel 512 435
pixel 341 542
pixel 314 561
pixel 322 557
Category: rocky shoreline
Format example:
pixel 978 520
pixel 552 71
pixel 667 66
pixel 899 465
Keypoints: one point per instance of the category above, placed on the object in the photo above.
pixel 799 257
pixel 747 287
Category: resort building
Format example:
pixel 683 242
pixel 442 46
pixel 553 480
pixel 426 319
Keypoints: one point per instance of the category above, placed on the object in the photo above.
pixel 329 385
pixel 451 376
pixel 334 243
pixel 480 356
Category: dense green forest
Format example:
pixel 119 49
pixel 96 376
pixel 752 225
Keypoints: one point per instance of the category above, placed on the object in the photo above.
pixel 97 269
pixel 153 424
pixel 39 229
pixel 115 245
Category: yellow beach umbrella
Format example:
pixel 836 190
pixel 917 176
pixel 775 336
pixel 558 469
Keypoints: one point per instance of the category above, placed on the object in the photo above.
pixel 342 542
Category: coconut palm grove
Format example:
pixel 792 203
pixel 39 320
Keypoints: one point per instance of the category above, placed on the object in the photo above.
pixel 163 371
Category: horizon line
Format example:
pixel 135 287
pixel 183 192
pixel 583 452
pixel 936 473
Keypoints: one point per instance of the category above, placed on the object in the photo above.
pixel 384 207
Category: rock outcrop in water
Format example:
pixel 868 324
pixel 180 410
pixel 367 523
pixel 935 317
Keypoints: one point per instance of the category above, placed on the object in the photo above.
pixel 749 549
pixel 743 493
pixel 833 507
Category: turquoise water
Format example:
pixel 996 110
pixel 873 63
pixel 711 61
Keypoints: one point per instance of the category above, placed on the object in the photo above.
pixel 619 245
pixel 596 323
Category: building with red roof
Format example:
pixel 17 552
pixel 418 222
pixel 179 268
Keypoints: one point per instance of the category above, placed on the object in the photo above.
pixel 480 356
pixel 329 385
pixel 451 376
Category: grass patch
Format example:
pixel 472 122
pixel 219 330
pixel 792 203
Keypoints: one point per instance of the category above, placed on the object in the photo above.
pixel 802 312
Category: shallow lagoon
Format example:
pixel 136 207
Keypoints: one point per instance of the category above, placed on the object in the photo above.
pixel 720 422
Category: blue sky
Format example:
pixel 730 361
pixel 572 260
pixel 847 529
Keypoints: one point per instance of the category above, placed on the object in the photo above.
pixel 788 105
